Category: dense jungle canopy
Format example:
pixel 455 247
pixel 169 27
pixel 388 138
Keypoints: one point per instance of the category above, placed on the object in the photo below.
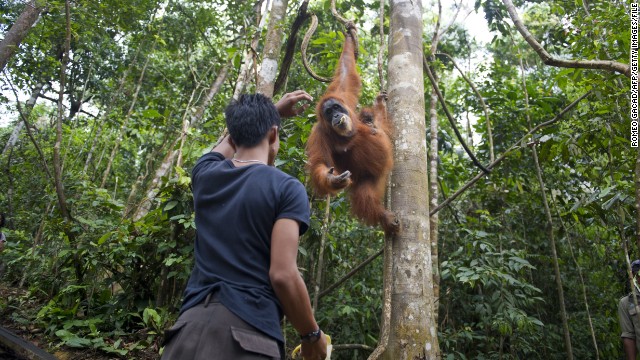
pixel 106 105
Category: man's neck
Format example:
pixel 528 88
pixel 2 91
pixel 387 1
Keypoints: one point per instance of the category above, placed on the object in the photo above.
pixel 258 153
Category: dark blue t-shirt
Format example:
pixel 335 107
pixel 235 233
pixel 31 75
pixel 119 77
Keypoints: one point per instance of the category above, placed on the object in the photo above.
pixel 236 208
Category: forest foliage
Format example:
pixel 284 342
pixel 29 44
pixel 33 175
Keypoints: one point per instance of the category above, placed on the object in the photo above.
pixel 111 274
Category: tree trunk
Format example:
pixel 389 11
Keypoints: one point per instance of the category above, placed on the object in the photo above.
pixel 433 197
pixel 185 126
pixel 433 163
pixel 57 166
pixel 273 42
pixel 433 170
pixel 19 30
pixel 161 171
pixel 15 134
pixel 249 55
pixel 140 180
pixel 413 332
pixel 95 170
pixel 26 112
pixel 57 163
pixel 320 263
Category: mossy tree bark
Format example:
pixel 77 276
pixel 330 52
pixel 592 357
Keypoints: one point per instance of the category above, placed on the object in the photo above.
pixel 412 329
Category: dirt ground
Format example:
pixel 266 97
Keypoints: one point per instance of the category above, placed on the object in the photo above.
pixel 13 300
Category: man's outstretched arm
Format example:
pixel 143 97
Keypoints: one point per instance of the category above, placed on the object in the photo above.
pixel 290 288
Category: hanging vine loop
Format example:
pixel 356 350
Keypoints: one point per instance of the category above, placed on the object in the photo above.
pixel 305 44
pixel 350 28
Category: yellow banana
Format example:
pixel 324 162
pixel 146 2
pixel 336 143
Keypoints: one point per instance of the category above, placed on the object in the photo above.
pixel 295 351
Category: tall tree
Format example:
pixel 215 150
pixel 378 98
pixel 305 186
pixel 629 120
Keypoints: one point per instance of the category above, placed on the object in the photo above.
pixel 412 330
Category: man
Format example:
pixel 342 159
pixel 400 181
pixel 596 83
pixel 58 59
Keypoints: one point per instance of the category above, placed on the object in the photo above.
pixel 628 314
pixel 249 216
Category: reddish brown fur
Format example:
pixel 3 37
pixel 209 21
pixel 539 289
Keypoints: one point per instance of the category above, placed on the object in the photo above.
pixel 368 154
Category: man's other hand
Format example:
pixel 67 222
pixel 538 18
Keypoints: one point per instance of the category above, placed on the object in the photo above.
pixel 316 350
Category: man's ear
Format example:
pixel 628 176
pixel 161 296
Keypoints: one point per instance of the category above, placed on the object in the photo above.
pixel 273 134
pixel 233 144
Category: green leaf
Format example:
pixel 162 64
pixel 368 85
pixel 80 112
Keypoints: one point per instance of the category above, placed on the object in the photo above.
pixel 71 340
pixel 170 205
pixel 104 238
pixel 302 251
pixel 609 203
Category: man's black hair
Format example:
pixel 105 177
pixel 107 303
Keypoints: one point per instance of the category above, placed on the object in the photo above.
pixel 250 118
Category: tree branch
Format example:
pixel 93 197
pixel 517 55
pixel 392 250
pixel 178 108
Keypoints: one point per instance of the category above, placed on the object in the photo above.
pixel 88 113
pixel 50 98
pixel 350 274
pixel 453 19
pixel 608 65
pixel 504 155
pixel 352 347
pixel 434 83
pixel 484 106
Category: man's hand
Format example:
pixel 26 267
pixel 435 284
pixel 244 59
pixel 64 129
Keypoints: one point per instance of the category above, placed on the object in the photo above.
pixel 286 106
pixel 316 350
pixel 226 147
